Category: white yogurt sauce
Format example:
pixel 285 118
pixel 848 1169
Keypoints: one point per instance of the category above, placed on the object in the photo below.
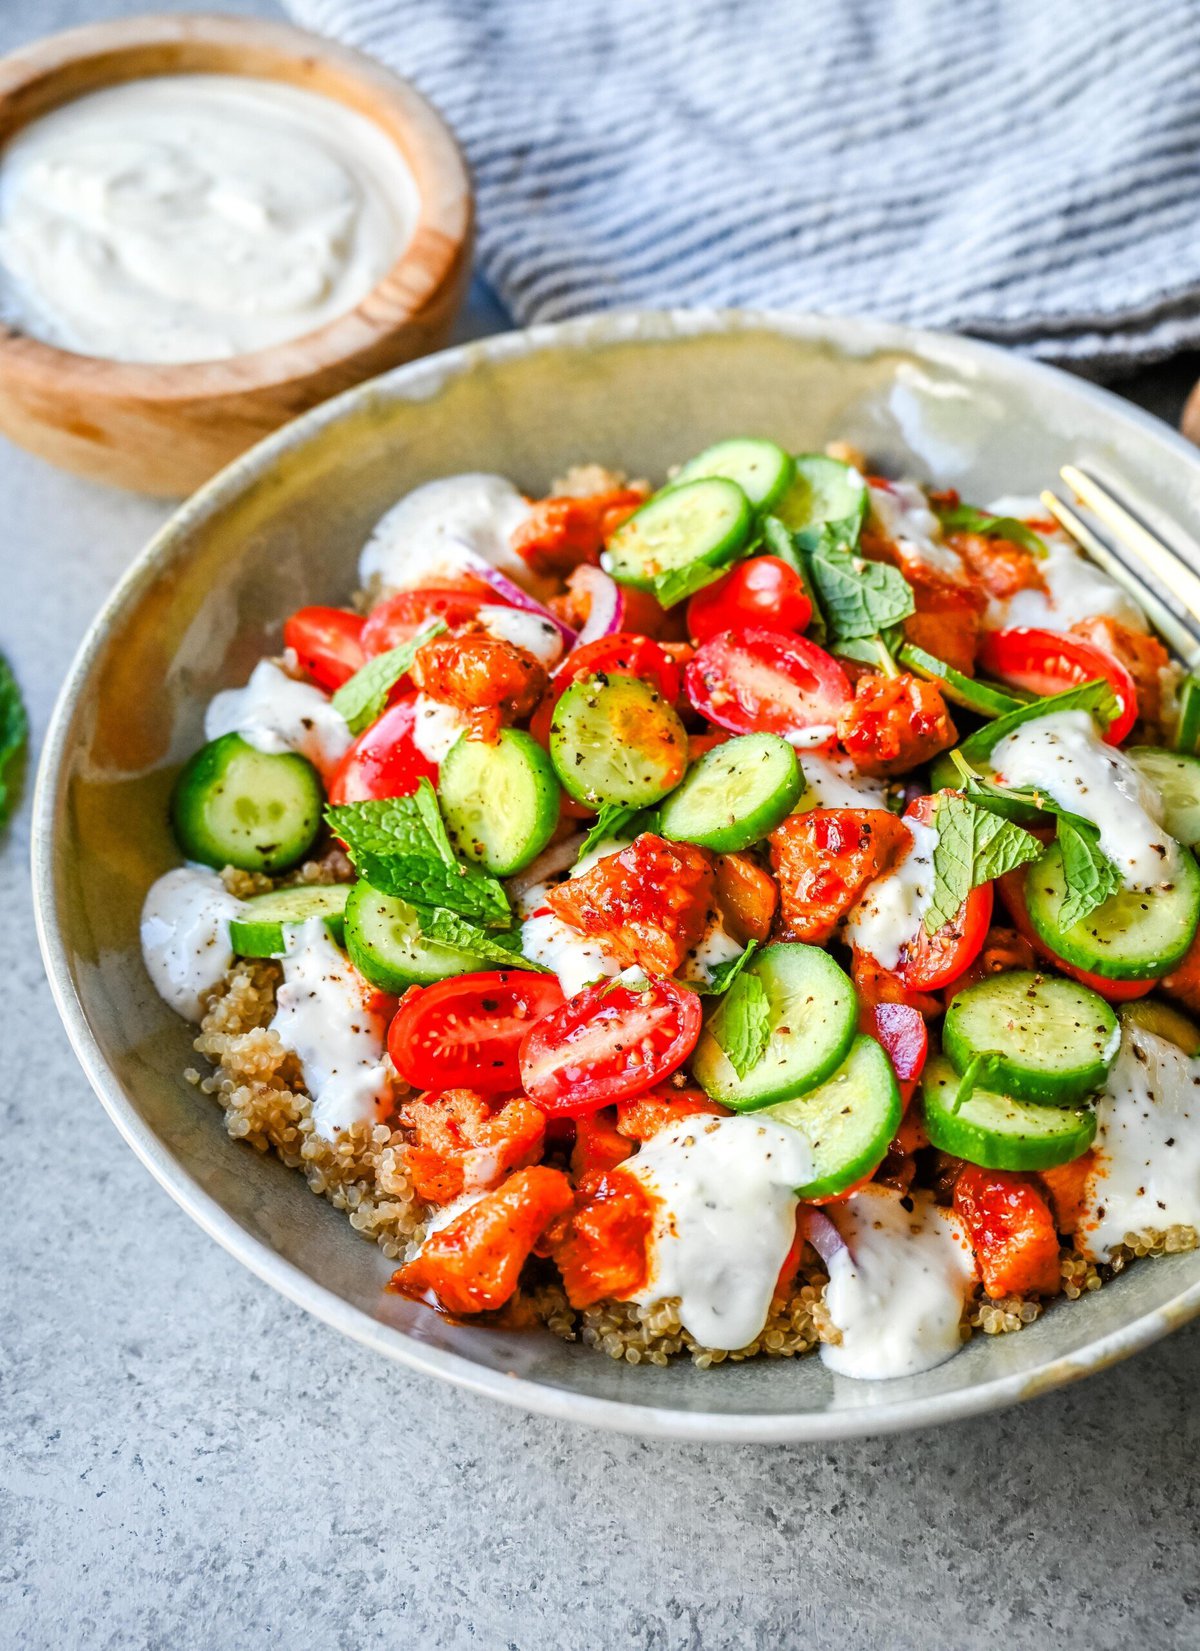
pixel 893 907
pixel 1063 756
pixel 1147 1146
pixel 834 782
pixel 436 530
pixel 193 217
pixel 322 1017
pixel 529 631
pixel 1076 588
pixel 275 713
pixel 724 1220
pixel 714 947
pixel 185 936
pixel 903 512
pixel 576 959
pixel 897 1292
pixel 436 727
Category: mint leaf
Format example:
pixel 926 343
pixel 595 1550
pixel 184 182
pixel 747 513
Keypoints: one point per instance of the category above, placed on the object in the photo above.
pixel 974 846
pixel 859 598
pixel 399 846
pixel 447 928
pixel 363 699
pixel 616 821
pixel 1089 874
pixel 741 1023
pixel 14 732
pixel 723 976
pixel 969 520
pixel 674 585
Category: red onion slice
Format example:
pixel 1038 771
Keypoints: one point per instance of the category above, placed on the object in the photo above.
pixel 819 1230
pixel 516 597
pixel 606 609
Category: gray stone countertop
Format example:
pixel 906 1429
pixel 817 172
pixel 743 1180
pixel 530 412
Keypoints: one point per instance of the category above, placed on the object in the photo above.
pixel 190 1461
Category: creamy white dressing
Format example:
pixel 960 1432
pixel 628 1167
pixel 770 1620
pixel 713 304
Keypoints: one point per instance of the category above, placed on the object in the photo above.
pixel 529 631
pixel 275 713
pixel 834 782
pixel 185 936
pixel 724 1220
pixel 193 217
pixel 1147 1146
pixel 436 727
pixel 1063 756
pixel 1076 589
pixel 436 531
pixel 714 947
pixel 893 907
pixel 576 959
pixel 322 1016
pixel 903 513
pixel 898 1290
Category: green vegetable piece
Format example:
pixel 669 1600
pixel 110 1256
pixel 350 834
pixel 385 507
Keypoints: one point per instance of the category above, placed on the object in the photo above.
pixel 848 1121
pixel 14 734
pixel 616 740
pixel 762 470
pixel 363 699
pixel 824 490
pixel 984 699
pixel 258 930
pixel 967 519
pixel 681 539
pixel 995 1130
pixel 973 847
pixel 735 794
pixel 500 799
pixel 1044 1039
pixel 234 805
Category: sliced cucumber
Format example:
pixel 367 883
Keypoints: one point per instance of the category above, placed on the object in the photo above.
pixel 823 490
pixel 762 470
pixel 1165 1021
pixel 386 945
pixel 735 794
pixel 706 521
pixel 848 1121
pixel 1177 780
pixel 1049 1040
pixel 616 740
pixel 236 806
pixel 981 697
pixel 1187 722
pixel 998 1132
pixel 258 930
pixel 1135 935
pixel 813 1016
pixel 500 799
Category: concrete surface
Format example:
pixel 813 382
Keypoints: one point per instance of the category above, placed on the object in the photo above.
pixel 191 1462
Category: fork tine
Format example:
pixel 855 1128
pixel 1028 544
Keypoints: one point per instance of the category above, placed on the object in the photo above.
pixel 1167 563
pixel 1183 637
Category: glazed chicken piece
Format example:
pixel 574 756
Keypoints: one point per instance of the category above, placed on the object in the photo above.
pixel 747 897
pixel 823 860
pixel 650 903
pixel 895 723
pixel 601 1250
pixel 477 672
pixel 949 612
pixel 1001 567
pixel 459 1142
pixel 560 533
pixel 1012 1232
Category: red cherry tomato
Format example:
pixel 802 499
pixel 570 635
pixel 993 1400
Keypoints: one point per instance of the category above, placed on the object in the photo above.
pixel 399 618
pixel 328 643
pixel 608 1043
pixel 466 1033
pixel 902 1032
pixel 1012 892
pixel 757 681
pixel 934 960
pixel 763 591
pixel 624 653
pixel 384 760
pixel 1047 664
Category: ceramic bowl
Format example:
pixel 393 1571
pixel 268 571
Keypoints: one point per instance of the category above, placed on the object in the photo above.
pixel 165 429
pixel 283 526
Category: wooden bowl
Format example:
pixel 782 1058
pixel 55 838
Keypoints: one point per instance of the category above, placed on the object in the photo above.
pixel 165 429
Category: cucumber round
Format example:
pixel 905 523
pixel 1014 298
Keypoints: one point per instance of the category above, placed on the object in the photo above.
pixel 848 1121
pixel 616 740
pixel 1050 1040
pixel 983 698
pixel 998 1132
pixel 1134 935
pixel 257 931
pixel 386 945
pixel 705 521
pixel 1176 778
pixel 813 1017
pixel 500 800
pixel 761 469
pixel 236 806
pixel 822 490
pixel 735 794
pixel 1165 1021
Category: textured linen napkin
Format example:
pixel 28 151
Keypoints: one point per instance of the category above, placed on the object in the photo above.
pixel 1026 170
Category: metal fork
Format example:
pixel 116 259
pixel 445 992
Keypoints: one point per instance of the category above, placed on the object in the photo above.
pixel 1138 551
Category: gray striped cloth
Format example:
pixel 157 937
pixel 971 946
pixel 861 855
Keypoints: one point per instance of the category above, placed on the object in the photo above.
pixel 1026 170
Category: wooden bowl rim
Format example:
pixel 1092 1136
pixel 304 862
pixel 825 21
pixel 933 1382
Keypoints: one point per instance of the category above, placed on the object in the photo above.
pixel 260 49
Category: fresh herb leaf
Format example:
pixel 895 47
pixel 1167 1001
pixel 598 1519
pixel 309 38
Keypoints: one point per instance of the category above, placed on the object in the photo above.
pixel 969 520
pixel 974 846
pixel 399 846
pixel 875 651
pixel 447 928
pixel 1187 720
pixel 723 976
pixel 1089 874
pixel 363 699
pixel 781 541
pixel 981 1070
pixel 858 597
pixel 14 732
pixel 674 585
pixel 741 1023
pixel 616 821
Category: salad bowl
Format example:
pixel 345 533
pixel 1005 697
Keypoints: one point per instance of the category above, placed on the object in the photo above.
pixel 283 526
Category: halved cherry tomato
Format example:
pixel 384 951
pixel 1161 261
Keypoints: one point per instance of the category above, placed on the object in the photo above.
pixel 757 681
pixel 608 1043
pixel 762 591
pixel 399 618
pixel 934 960
pixel 1012 892
pixel 624 653
pixel 1046 663
pixel 902 1032
pixel 466 1032
pixel 328 643
pixel 384 760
